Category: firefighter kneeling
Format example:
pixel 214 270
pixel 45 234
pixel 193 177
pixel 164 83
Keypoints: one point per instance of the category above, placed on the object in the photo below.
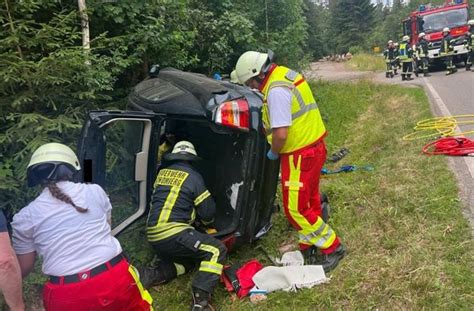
pixel 180 194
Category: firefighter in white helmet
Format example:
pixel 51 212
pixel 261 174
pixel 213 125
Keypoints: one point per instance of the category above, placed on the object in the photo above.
pixel 422 52
pixel 68 225
pixel 389 54
pixel 447 51
pixel 295 131
pixel 180 197
pixel 233 77
pixel 470 44
pixel 406 57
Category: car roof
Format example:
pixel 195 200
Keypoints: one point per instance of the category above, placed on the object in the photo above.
pixel 174 91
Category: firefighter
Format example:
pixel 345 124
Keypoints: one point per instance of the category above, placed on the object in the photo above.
pixel 406 55
pixel 295 131
pixel 389 55
pixel 422 52
pixel 446 50
pixel 470 45
pixel 180 198
pixel 396 63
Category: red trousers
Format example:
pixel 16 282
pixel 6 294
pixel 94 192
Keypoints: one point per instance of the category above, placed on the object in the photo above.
pixel 300 174
pixel 116 289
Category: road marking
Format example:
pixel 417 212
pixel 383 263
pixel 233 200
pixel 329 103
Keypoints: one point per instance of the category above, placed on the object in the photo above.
pixel 445 111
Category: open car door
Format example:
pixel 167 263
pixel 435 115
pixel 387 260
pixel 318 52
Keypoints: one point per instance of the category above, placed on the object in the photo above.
pixel 115 152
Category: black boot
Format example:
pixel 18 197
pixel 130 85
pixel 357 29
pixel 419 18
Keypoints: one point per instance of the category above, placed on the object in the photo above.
pixel 201 301
pixel 330 261
pixel 154 276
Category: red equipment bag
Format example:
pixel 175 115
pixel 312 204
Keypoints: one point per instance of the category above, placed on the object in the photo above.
pixel 238 279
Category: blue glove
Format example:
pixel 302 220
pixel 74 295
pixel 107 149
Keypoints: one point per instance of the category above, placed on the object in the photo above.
pixel 272 156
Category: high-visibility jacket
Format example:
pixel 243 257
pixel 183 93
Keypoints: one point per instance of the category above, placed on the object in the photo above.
pixel 422 48
pixel 307 125
pixel 180 194
pixel 446 45
pixel 470 40
pixel 406 52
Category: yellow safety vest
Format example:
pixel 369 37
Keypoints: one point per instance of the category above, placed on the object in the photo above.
pixel 307 125
pixel 404 52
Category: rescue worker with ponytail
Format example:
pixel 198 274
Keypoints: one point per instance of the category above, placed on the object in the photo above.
pixel 389 55
pixel 470 44
pixel 447 51
pixel 406 57
pixel 295 132
pixel 180 200
pixel 68 226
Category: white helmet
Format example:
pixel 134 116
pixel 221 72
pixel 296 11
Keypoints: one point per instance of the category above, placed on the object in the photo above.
pixel 390 41
pixel 233 77
pixel 54 152
pixel 446 29
pixel 249 65
pixel 52 162
pixel 421 35
pixel 183 150
pixel 471 22
pixel 406 38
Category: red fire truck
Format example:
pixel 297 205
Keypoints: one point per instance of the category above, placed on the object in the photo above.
pixel 431 20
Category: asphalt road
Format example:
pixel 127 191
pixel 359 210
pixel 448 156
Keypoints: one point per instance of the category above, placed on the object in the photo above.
pixel 454 95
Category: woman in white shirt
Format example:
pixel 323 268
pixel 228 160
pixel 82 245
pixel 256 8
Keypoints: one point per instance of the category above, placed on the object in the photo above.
pixel 68 226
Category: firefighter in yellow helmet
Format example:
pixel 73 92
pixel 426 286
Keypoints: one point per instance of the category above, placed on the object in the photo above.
pixel 470 44
pixel 406 57
pixel 447 50
pixel 295 131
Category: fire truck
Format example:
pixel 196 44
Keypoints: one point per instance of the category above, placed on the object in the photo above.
pixel 431 20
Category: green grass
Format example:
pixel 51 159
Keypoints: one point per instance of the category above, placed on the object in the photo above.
pixel 409 247
pixel 367 62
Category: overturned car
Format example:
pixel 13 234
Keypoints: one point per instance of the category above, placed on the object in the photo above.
pixel 122 150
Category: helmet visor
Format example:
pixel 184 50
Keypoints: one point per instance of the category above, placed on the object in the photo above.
pixel 50 171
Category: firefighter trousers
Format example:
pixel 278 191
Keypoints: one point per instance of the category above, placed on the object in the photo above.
pixel 300 174
pixel 470 58
pixel 190 248
pixel 407 69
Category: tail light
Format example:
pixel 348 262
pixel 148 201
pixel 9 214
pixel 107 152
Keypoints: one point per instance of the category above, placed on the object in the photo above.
pixel 234 113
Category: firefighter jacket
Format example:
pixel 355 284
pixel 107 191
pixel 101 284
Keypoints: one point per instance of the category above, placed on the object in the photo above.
pixel 389 53
pixel 406 52
pixel 179 195
pixel 470 39
pixel 446 44
pixel 307 125
pixel 422 48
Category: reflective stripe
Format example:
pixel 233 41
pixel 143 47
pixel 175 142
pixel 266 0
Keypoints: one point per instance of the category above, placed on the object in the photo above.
pixel 305 109
pixel 291 75
pixel 169 204
pixel 153 237
pixel 211 267
pixel 202 197
pixel 211 249
pixel 143 292
pixel 165 227
pixel 293 193
pixel 322 237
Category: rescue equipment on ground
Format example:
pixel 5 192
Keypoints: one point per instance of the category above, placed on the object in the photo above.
pixel 453 146
pixel 441 127
pixel 346 169
pixel 337 156
pixel 238 278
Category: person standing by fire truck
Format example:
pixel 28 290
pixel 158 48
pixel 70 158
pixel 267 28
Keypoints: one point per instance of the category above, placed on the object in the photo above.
pixel 446 50
pixel 389 55
pixel 470 45
pixel 422 52
pixel 406 57
pixel 295 131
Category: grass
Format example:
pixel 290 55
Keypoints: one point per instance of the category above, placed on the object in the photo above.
pixel 367 62
pixel 409 247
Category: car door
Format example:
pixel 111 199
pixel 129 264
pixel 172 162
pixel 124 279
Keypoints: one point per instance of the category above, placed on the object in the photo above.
pixel 116 151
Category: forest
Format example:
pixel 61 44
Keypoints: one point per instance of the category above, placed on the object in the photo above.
pixel 50 77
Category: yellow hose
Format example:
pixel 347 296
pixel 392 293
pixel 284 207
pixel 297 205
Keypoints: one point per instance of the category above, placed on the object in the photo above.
pixel 440 127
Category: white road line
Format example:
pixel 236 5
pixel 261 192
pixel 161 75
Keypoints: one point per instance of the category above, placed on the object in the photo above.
pixel 445 112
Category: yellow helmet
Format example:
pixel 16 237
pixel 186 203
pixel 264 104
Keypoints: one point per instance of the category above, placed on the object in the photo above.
pixel 184 151
pixel 249 65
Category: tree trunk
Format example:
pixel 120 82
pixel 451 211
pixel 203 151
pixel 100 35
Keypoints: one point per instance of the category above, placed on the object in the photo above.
pixel 84 24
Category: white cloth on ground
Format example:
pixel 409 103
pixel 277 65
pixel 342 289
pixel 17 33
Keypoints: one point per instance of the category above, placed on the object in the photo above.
pixel 289 278
pixel 291 259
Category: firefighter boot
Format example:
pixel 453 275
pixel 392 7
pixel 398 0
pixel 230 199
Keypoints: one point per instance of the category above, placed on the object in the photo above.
pixel 201 301
pixel 409 78
pixel 330 261
pixel 468 67
pixel 154 276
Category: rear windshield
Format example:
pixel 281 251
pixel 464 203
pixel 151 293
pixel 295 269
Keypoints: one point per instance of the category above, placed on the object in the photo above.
pixel 451 19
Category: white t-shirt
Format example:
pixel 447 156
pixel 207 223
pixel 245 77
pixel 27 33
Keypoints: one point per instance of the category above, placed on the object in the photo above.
pixel 68 241
pixel 279 106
